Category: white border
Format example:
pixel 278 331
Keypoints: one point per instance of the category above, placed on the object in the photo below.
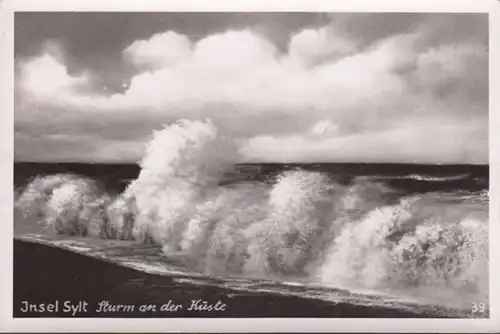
pixel 7 323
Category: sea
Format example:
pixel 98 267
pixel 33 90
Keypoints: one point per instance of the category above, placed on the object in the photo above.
pixel 188 224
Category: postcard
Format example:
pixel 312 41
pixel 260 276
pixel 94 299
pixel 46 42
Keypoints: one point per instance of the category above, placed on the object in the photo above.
pixel 260 166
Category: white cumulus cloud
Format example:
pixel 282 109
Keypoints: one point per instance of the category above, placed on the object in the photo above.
pixel 47 78
pixel 161 50
pixel 242 81
pixel 311 46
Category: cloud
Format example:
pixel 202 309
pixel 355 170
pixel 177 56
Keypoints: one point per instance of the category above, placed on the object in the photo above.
pixel 327 83
pixel 323 128
pixel 161 50
pixel 462 69
pixel 79 148
pixel 46 77
pixel 411 142
pixel 312 46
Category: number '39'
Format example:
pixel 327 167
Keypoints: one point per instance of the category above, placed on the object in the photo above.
pixel 478 308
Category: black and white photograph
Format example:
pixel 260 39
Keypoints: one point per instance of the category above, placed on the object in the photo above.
pixel 251 164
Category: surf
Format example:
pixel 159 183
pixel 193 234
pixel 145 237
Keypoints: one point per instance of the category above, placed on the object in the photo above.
pixel 300 226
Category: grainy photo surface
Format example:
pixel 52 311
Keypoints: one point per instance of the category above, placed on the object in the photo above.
pixel 251 165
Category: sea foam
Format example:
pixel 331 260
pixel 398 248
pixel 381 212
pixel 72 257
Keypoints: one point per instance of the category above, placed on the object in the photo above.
pixel 302 225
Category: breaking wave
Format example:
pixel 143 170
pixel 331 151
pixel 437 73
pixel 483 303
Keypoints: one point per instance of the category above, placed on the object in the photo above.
pixel 303 225
pixel 427 178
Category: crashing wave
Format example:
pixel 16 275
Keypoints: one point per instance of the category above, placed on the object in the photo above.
pixel 302 225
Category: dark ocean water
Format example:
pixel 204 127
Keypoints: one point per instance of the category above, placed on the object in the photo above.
pixel 415 232
pixel 404 177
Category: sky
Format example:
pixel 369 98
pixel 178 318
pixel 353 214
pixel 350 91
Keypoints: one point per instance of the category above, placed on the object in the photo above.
pixel 288 87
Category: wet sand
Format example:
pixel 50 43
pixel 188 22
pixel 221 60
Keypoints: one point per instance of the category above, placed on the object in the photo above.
pixel 45 274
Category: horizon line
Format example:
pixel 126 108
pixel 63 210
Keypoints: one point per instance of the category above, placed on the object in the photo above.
pixel 268 163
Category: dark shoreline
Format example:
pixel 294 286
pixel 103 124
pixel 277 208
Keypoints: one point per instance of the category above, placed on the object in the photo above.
pixel 44 274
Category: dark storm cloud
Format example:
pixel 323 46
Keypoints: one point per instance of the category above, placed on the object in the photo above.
pixel 371 27
pixel 438 27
